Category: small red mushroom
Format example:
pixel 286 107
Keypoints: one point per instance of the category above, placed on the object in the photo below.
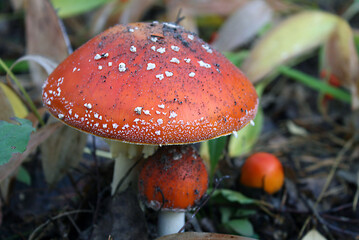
pixel 149 83
pixel 263 170
pixel 172 181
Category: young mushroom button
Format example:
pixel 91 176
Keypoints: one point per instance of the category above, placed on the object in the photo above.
pixel 152 84
pixel 172 181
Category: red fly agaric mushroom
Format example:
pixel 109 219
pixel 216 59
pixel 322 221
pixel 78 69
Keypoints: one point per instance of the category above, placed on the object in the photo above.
pixel 173 180
pixel 263 170
pixel 149 83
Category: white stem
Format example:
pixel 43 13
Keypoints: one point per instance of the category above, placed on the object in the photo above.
pixel 170 222
pixel 126 155
pixel 122 165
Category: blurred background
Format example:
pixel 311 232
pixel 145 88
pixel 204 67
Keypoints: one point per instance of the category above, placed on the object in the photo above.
pixel 302 57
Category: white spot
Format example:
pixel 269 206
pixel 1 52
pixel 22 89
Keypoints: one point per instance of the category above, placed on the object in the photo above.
pixel 171 25
pixel 131 30
pixel 174 60
pixel 125 126
pixel 187 60
pixel 158 132
pixel 104 125
pixel 153 48
pixel 78 69
pixel 207 48
pixel 136 120
pixel 95 115
pixel 133 49
pixel 122 67
pixel 146 112
pixel 159 121
pixel 70 111
pixel 61 116
pixel 100 67
pixel 173 115
pixel 115 125
pixel 169 74
pixel 154 39
pixel 190 36
pixel 88 105
pixel 151 66
pixel 158 112
pixel 203 64
pixel 96 124
pixel 161 50
pixel 138 110
pixel 175 48
pixel 48 102
pixel 191 74
pixel 76 116
pixel 105 55
pixel 109 64
pixel 160 76
pixel 73 70
pixel 252 123
pixel 97 57
pixel 161 106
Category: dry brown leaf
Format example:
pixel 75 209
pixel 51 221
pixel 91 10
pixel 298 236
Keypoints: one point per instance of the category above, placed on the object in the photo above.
pixel 202 236
pixel 44 36
pixel 243 25
pixel 61 152
pixel 36 139
pixel 341 59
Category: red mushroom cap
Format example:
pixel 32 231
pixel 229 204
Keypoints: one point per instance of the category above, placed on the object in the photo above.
pixel 263 170
pixel 150 83
pixel 175 178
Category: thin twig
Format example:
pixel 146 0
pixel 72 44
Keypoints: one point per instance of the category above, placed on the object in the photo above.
pixel 33 234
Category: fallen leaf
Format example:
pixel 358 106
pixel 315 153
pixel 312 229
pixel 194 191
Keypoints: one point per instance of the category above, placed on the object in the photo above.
pixel 313 235
pixel 6 110
pixel 45 36
pixel 295 36
pixel 61 152
pixel 341 59
pixel 201 236
pixel 243 25
pixel 122 219
pixel 18 108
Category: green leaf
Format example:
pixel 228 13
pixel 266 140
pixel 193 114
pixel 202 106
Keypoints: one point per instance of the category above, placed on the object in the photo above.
pixel 23 176
pixel 14 138
pixel 241 226
pixel 246 137
pixel 282 44
pixel 68 8
pixel 233 196
pixel 216 147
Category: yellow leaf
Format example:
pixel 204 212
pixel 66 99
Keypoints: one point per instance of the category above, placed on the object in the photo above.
pixel 18 107
pixel 293 37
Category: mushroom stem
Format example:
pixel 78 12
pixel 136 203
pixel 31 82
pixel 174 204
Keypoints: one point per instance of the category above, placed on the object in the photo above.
pixel 170 222
pixel 126 155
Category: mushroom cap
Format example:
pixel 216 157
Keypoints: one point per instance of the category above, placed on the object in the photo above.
pixel 263 170
pixel 175 179
pixel 150 83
